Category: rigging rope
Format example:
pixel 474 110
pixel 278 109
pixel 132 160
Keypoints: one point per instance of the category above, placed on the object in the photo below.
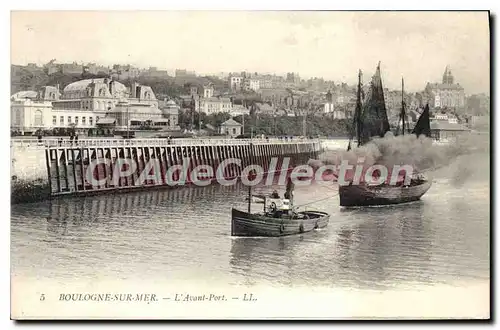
pixel 319 200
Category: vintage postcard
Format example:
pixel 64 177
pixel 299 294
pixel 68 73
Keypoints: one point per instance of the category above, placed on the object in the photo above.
pixel 250 165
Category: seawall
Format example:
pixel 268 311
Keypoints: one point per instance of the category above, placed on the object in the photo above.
pixel 51 169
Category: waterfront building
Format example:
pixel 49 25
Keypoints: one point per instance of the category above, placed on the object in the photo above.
pixel 444 130
pixel 231 128
pixel 89 103
pixel 104 99
pixel 30 112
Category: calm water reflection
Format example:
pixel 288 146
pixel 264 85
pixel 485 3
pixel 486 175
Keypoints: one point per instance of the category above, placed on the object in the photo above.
pixel 184 234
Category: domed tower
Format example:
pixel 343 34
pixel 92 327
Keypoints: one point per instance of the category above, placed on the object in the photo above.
pixel 447 76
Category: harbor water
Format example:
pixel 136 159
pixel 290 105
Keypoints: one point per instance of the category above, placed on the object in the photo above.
pixel 183 235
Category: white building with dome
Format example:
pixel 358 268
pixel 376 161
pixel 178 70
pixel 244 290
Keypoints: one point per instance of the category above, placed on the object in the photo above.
pixel 86 104
pixel 30 110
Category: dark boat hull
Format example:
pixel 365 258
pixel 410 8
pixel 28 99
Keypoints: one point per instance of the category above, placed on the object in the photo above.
pixel 364 195
pixel 260 225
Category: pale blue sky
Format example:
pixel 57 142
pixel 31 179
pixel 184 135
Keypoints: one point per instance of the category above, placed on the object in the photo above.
pixel 334 45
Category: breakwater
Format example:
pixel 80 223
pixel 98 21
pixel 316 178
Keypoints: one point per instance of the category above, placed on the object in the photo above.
pixel 50 169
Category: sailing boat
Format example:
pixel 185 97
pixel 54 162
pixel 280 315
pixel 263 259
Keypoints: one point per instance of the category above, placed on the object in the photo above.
pixel 370 120
pixel 423 125
pixel 276 220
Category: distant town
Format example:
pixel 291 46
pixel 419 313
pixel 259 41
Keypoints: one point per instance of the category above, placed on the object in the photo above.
pixel 72 99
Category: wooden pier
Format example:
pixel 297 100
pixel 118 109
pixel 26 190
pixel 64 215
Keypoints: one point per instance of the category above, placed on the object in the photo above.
pixel 94 166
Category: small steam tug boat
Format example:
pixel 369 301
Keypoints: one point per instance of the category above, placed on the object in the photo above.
pixel 278 218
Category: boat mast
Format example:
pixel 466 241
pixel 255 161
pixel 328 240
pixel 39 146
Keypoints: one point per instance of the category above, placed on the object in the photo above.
pixel 358 109
pixel 249 198
pixel 356 125
pixel 251 175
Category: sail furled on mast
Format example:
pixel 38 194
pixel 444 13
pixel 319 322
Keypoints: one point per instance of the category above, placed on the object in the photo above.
pixel 423 125
pixel 374 120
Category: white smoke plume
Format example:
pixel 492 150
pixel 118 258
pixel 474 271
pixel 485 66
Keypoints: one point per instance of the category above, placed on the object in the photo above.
pixel 420 153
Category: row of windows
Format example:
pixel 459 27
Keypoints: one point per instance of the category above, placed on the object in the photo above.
pixel 38 119
pixel 76 122
pixel 89 105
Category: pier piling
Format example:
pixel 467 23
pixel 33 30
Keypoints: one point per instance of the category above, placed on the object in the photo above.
pixel 118 165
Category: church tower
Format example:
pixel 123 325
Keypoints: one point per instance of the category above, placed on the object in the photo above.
pixel 447 76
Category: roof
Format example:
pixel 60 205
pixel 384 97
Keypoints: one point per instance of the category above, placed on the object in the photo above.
pixel 447 126
pixel 231 122
pixel 106 120
pixel 83 84
pixel 25 95
pixel 137 108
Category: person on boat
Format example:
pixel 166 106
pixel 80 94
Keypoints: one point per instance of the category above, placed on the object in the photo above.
pixel 289 189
